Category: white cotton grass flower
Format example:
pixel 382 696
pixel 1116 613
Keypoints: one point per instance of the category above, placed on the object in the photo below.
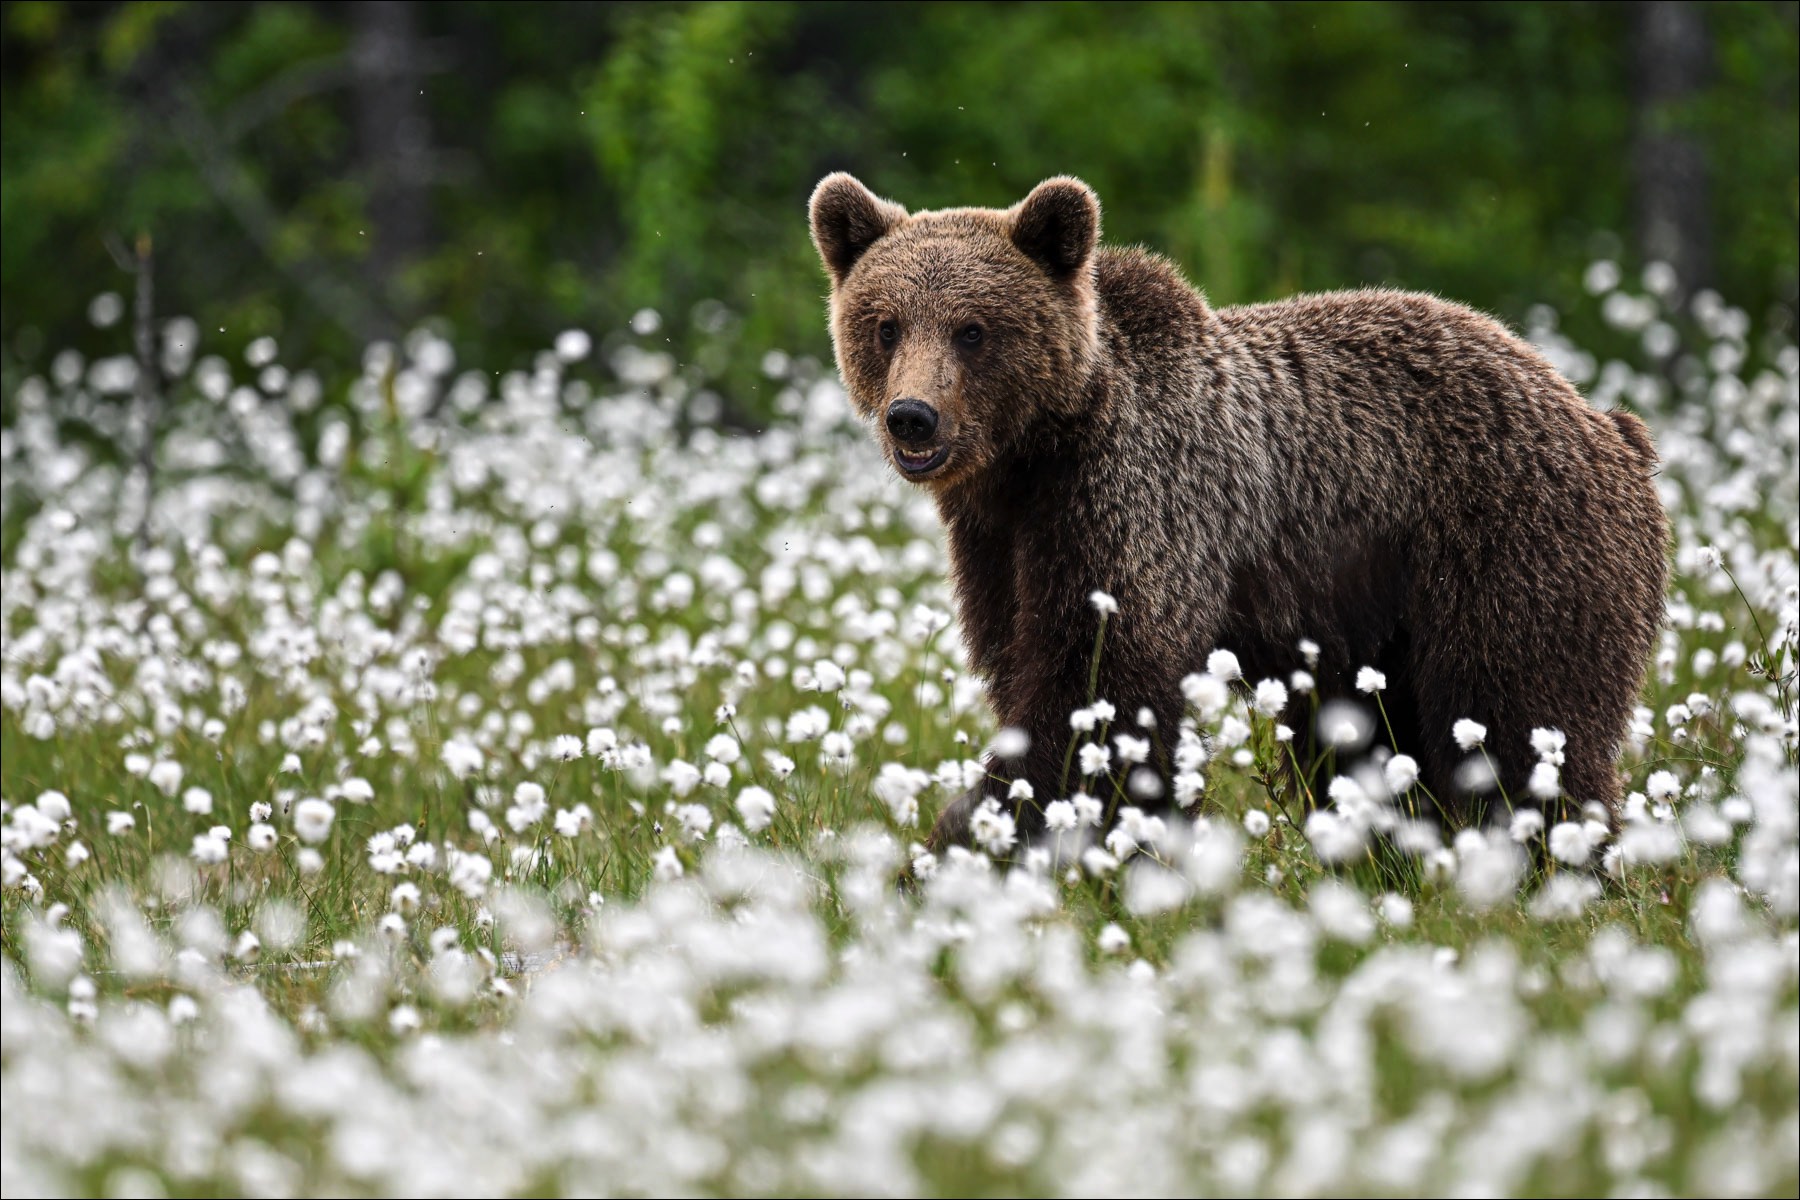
pixel 1345 725
pixel 1059 816
pixel 529 806
pixel 1400 773
pixel 165 776
pixel 1527 826
pixel 992 830
pixel 570 822
pixel 1208 694
pixel 1662 785
pixel 1190 752
pixel 1341 912
pixel 1649 843
pixel 573 345
pixel 312 820
pixel 1565 896
pixel 898 788
pixel 681 776
pixel 1223 665
pixel 1349 796
pixel 120 823
pixel 665 864
pixel 1112 939
pixel 1132 750
pixel 1098 862
pixel 30 829
pixel 54 806
pixel 1011 742
pixel 1121 842
pixel 695 821
pixel 1548 745
pixel 404 897
pixel 1103 603
pixel 1569 844
pixel 1704 825
pixel 723 748
pixel 1369 680
pixel 1271 698
pixel 469 873
pixel 1256 823
pixel 1094 758
pixel 1144 785
pixel 1488 867
pixel 1475 774
pixel 462 757
pixel 195 800
pixel 1468 734
pixel 1545 782
pixel 837 751
pixel 1334 837
pixel 1088 808
pixel 756 808
pixel 565 747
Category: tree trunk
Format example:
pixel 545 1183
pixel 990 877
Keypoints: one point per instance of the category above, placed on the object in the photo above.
pixel 1672 58
pixel 393 136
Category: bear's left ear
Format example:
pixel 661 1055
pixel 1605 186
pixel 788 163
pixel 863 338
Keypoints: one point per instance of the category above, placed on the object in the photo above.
pixel 1058 225
pixel 847 218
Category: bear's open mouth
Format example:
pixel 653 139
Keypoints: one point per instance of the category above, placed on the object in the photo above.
pixel 918 462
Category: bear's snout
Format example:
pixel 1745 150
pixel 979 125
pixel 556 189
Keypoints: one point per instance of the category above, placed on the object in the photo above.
pixel 912 422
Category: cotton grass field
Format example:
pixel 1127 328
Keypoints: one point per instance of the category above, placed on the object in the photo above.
pixel 480 785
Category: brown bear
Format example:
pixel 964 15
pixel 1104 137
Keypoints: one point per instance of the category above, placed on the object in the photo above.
pixel 1396 478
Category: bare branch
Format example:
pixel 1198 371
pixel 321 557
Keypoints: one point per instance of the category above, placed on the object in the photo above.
pixel 346 307
pixel 148 401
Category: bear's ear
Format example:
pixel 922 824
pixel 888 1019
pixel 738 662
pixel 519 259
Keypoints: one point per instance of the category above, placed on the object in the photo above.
pixel 847 218
pixel 1058 225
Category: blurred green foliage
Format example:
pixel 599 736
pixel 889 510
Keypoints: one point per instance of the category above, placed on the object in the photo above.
pixel 583 161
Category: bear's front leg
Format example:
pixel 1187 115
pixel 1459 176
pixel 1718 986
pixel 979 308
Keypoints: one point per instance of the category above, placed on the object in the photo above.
pixel 1049 766
pixel 1046 734
pixel 952 825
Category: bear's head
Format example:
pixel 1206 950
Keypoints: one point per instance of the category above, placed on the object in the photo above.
pixel 958 332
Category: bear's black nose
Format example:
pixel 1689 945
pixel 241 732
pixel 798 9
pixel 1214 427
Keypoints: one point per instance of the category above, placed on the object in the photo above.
pixel 912 422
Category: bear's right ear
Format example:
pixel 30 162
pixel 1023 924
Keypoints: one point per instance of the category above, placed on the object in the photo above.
pixel 1058 225
pixel 847 218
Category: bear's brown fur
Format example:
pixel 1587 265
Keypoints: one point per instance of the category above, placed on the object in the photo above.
pixel 1397 478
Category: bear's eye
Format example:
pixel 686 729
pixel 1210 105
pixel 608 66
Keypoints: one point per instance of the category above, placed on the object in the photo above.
pixel 970 335
pixel 888 331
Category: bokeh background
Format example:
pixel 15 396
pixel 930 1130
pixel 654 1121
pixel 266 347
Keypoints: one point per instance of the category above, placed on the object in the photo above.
pixel 330 173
